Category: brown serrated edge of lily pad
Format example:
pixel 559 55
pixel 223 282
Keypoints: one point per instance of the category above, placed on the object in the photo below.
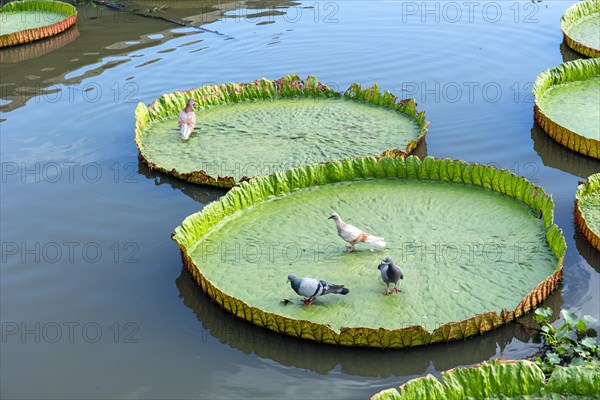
pixel 17 54
pixel 197 225
pixel 573 14
pixel 571 71
pixel 289 86
pixel 591 186
pixel 30 35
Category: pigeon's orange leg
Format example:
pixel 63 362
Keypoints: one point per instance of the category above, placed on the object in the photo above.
pixel 350 248
pixel 387 291
pixel 308 302
pixel 397 289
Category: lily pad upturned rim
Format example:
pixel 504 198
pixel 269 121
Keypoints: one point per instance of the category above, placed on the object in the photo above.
pixel 571 71
pixel 30 35
pixel 289 86
pixel 573 14
pixel 591 186
pixel 197 225
pixel 499 379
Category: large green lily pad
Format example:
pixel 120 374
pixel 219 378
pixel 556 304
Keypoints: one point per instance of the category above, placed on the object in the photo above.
pixel 501 379
pixel 587 210
pixel 566 105
pixel 581 27
pixel 475 252
pixel 247 130
pixel 26 21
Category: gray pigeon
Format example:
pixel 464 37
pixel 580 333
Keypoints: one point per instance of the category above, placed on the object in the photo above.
pixel 311 288
pixel 390 273
pixel 353 235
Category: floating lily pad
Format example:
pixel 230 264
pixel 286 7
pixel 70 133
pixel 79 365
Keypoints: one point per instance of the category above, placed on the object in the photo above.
pixel 17 54
pixel 26 21
pixel 500 379
pixel 475 252
pixel 263 127
pixel 566 105
pixel 581 27
pixel 587 210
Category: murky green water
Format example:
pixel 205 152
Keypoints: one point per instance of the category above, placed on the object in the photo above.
pixel 262 137
pixel 575 106
pixel 587 31
pixel 454 265
pixel 13 22
pixel 71 181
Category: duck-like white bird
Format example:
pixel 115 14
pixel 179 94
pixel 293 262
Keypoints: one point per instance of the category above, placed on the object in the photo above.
pixel 353 235
pixel 311 288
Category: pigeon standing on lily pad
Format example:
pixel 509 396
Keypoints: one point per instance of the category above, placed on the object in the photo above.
pixel 353 235
pixel 390 273
pixel 311 288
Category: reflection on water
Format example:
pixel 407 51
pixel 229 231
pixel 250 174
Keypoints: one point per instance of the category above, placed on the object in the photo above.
pixel 568 54
pixel 92 46
pixel 201 12
pixel 107 38
pixel 299 353
pixel 201 194
pixel 17 54
pixel 590 254
pixel 555 155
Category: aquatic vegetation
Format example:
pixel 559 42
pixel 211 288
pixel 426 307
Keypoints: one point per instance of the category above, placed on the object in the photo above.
pixel 566 105
pixel 569 344
pixel 587 210
pixel 500 379
pixel 29 20
pixel 581 27
pixel 241 248
pixel 17 54
pixel 266 126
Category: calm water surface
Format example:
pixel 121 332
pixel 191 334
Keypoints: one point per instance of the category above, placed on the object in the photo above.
pixel 94 302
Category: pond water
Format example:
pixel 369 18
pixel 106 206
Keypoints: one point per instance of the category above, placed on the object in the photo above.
pixel 93 299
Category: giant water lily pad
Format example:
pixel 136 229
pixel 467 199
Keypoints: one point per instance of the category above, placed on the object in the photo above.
pixel 581 27
pixel 566 105
pixel 587 210
pixel 26 21
pixel 475 252
pixel 17 54
pixel 263 127
pixel 500 379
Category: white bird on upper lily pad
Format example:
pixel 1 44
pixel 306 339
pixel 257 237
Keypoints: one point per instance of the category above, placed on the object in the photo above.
pixel 353 235
pixel 311 288
pixel 390 273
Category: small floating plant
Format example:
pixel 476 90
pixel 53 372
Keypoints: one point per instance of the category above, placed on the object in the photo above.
pixel 581 27
pixel 462 277
pixel 566 105
pixel 30 20
pixel 587 210
pixel 268 126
